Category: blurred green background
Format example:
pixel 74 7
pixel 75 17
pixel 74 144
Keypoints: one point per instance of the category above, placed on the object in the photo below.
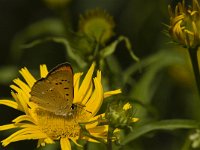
pixel 161 84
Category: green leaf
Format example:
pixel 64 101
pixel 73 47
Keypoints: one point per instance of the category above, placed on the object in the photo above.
pixel 47 27
pixel 70 51
pixel 82 43
pixel 145 88
pixel 143 63
pixel 96 146
pixel 110 49
pixel 7 74
pixel 160 125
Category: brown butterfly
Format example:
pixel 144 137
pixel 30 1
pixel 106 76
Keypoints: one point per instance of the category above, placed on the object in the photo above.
pixel 54 93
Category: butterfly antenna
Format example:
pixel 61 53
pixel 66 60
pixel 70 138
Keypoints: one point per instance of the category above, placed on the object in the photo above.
pixel 82 106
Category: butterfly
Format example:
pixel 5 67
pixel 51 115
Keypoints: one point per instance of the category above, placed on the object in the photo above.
pixel 55 92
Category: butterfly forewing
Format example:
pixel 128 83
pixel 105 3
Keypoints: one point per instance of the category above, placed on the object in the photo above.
pixel 55 92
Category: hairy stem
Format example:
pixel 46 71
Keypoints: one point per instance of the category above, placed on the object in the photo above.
pixel 109 138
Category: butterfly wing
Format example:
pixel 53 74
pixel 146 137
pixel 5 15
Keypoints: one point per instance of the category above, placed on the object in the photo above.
pixel 55 92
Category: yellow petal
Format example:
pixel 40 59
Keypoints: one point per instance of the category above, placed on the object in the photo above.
pixel 110 93
pixel 22 85
pixel 14 95
pixel 7 127
pixel 23 101
pixel 135 119
pixel 77 77
pixel 101 132
pixel 9 103
pixel 98 129
pixel 98 116
pixel 21 92
pixel 88 95
pixel 85 84
pixel 127 106
pixel 27 125
pixel 24 118
pixel 94 103
pixel 48 140
pixel 23 137
pixel 94 121
pixel 15 88
pixel 24 134
pixel 27 76
pixel 65 144
pixel 43 71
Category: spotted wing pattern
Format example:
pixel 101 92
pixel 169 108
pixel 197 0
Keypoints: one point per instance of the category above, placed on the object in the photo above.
pixel 55 92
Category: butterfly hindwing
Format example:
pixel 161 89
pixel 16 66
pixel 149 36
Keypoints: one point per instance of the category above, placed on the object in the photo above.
pixel 55 92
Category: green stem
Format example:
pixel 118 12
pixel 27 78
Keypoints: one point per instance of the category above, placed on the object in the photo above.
pixel 194 60
pixel 109 138
pixel 96 55
pixel 187 144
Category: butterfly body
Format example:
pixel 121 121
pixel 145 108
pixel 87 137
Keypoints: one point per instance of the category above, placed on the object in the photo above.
pixel 54 93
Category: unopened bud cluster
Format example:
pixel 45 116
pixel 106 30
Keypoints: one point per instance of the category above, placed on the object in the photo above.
pixel 120 114
pixel 184 25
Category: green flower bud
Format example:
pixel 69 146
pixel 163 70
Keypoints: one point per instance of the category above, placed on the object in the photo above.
pixel 120 114
pixel 195 138
pixel 97 24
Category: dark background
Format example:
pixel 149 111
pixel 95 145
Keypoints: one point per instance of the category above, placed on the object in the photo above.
pixel 142 21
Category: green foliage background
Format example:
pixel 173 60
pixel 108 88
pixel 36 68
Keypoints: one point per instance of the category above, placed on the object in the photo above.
pixel 167 107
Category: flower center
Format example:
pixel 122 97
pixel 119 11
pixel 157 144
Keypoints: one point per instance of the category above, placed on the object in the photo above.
pixel 58 126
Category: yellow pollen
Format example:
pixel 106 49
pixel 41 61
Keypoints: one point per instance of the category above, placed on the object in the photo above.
pixel 57 126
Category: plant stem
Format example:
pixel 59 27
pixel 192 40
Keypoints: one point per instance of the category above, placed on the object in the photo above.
pixel 194 60
pixel 109 138
pixel 187 144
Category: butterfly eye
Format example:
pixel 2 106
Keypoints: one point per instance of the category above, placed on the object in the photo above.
pixel 73 107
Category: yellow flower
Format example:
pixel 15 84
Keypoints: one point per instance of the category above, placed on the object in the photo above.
pixel 47 127
pixel 185 24
pixel 97 24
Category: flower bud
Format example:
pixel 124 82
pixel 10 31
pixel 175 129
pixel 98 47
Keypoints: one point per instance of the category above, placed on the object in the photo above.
pixel 120 114
pixel 185 24
pixel 195 138
pixel 97 24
